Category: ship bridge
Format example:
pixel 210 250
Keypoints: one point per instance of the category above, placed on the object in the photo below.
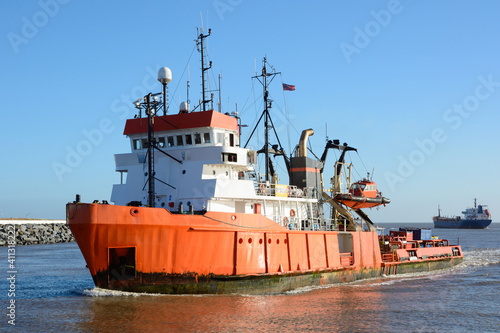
pixel 199 158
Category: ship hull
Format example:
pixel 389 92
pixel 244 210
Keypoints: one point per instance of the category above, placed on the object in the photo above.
pixel 258 284
pixel 461 224
pixel 144 249
pixel 276 283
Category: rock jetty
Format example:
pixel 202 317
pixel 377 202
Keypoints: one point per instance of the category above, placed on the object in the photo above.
pixel 29 232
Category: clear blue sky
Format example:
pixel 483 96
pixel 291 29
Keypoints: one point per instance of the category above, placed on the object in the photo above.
pixel 414 85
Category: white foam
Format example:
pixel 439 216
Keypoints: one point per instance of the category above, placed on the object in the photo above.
pixel 384 280
pixel 99 292
pixel 311 288
pixel 481 257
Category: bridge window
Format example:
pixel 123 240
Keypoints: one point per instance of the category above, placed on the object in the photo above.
pixel 137 144
pixel 189 140
pixel 231 140
pixel 170 141
pixel 197 139
pixel 206 137
pixel 220 138
pixel 179 140
pixel 145 144
pixel 359 187
pixel 161 142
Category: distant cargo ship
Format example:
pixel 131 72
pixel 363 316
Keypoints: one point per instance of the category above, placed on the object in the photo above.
pixel 474 218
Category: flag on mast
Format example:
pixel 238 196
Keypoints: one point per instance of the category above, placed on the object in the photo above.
pixel 288 87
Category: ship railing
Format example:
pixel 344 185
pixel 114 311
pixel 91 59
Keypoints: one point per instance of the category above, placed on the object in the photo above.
pixel 435 243
pixel 328 224
pixel 322 224
pixel 311 193
pixel 401 244
pixel 331 224
pixel 314 224
pixel 278 190
pixel 341 223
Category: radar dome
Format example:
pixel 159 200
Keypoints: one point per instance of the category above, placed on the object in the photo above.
pixel 164 75
pixel 184 107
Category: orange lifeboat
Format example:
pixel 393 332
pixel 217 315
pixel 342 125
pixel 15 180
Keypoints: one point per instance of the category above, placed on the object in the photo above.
pixel 362 194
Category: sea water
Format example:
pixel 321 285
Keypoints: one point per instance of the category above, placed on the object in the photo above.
pixel 54 292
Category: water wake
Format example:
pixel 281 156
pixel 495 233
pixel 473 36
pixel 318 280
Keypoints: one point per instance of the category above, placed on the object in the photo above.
pixel 481 257
pixel 98 292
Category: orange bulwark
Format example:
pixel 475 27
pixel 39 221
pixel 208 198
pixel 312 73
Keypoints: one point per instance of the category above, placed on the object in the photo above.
pixel 152 250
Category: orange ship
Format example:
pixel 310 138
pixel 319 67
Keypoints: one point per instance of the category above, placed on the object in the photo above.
pixel 193 214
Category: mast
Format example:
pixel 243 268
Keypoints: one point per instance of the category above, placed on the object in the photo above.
pixel 265 79
pixel 151 167
pixel 266 117
pixel 188 85
pixel 220 94
pixel 201 49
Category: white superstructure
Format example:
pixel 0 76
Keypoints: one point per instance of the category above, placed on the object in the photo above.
pixel 201 167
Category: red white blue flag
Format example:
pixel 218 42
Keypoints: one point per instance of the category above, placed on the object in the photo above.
pixel 288 87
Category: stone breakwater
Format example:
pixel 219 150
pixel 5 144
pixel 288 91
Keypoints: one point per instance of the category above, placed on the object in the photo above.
pixel 29 232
